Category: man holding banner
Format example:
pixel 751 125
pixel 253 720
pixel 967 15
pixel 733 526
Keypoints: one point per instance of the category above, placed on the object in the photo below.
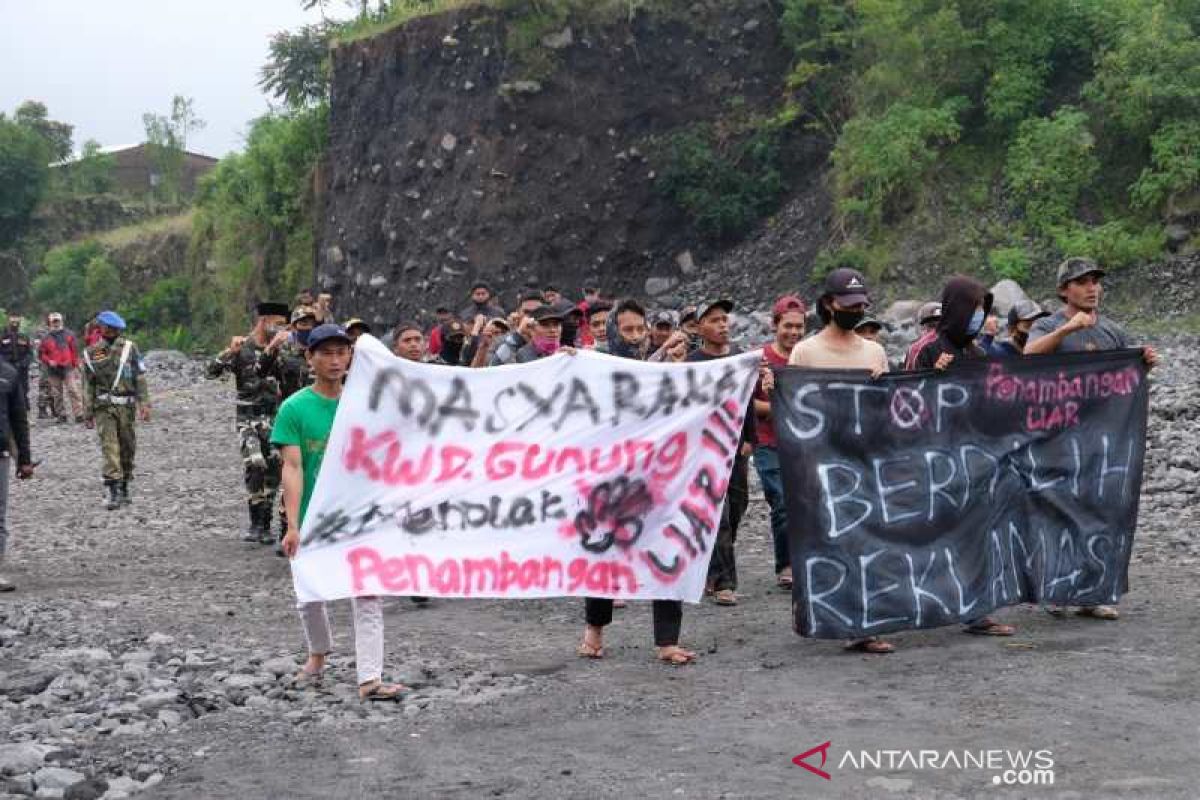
pixel 937 497
pixel 1078 327
pixel 301 432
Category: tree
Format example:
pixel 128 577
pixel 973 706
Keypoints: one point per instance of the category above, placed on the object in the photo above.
pixel 167 138
pixel 298 69
pixel 24 173
pixel 92 173
pixel 57 135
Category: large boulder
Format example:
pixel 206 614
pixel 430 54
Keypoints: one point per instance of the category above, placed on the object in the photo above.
pixel 1006 294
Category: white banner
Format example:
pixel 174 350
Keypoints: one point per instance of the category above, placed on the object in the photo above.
pixel 582 475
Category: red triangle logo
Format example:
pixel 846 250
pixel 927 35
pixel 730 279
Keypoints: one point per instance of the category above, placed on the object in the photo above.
pixel 823 749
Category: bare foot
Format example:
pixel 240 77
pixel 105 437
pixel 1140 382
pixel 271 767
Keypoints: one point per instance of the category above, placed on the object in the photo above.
pixel 871 645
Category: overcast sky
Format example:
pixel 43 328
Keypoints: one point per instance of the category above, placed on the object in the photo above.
pixel 100 64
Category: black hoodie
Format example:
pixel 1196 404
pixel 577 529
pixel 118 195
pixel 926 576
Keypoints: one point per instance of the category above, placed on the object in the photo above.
pixel 960 298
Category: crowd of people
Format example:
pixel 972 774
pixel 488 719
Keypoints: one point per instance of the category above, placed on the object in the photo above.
pixel 290 367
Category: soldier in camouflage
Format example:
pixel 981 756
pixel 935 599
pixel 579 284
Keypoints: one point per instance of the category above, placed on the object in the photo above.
pixel 114 387
pixel 283 361
pixel 258 399
pixel 283 358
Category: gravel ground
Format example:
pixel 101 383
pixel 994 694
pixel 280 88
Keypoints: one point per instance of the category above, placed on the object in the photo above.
pixel 147 652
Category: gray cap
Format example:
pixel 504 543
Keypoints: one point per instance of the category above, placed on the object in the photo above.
pixel 664 317
pixel 1025 311
pixel 1075 268
pixel 929 313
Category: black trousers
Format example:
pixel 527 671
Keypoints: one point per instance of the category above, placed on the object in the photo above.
pixel 668 617
pixel 722 569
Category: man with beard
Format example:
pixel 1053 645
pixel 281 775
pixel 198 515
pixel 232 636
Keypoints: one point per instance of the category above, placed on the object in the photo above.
pixel 258 399
pixel 787 318
pixel 482 302
pixel 713 328
pixel 1079 327
pixel 841 307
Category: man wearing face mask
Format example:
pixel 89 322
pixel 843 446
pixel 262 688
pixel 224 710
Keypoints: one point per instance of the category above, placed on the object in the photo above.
pixel 546 336
pixel 965 306
pixel 114 385
pixel 258 399
pixel 841 307
pixel 1020 320
pixel 283 359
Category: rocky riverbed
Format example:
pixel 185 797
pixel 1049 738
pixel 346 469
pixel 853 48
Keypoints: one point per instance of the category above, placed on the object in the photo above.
pixel 148 652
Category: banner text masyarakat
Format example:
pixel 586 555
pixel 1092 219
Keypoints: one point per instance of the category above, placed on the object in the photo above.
pixel 582 475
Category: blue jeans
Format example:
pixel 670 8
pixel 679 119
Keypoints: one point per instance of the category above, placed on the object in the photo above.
pixel 766 461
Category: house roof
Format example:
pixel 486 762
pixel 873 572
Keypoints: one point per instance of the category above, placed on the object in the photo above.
pixel 121 148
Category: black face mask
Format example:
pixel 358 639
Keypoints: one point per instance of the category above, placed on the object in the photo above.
pixel 847 320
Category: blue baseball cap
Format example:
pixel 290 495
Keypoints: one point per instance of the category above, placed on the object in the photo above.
pixel 329 332
pixel 112 319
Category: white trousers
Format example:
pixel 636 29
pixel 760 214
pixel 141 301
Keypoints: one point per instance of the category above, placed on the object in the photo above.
pixel 368 634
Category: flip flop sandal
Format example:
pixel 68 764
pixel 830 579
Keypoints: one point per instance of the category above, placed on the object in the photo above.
pixel 586 650
pixel 678 657
pixel 1099 612
pixel 872 646
pixel 305 679
pixel 382 693
pixel 990 628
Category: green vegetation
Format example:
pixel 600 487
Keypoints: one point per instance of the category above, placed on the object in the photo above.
pixel 1095 105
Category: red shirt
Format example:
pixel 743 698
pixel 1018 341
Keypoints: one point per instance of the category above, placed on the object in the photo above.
pixel 766 427
pixel 52 354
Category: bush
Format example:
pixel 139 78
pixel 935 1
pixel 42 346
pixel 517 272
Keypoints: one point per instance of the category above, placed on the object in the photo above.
pixel 1113 244
pixel 725 192
pixel 62 283
pixel 1175 164
pixel 1011 263
pixel 1049 164
pixel 876 158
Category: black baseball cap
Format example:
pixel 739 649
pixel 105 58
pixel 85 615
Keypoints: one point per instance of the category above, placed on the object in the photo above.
pixel 272 310
pixel 1075 268
pixel 869 322
pixel 545 314
pixel 704 308
pixel 1025 311
pixel 328 332
pixel 848 286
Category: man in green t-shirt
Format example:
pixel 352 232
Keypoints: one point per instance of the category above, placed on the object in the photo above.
pixel 301 430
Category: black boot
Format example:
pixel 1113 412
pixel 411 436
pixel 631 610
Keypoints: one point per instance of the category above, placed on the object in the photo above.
pixel 264 534
pixel 254 532
pixel 114 496
pixel 124 487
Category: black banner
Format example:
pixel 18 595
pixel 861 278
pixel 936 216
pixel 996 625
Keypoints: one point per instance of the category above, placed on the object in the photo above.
pixel 924 499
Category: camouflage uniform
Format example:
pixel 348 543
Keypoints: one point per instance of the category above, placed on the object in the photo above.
pixel 114 384
pixel 257 402
pixel 288 368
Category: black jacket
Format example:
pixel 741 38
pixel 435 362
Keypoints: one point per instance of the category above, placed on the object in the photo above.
pixel 960 298
pixel 14 418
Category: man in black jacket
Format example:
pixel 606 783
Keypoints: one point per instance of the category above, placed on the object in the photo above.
pixel 14 427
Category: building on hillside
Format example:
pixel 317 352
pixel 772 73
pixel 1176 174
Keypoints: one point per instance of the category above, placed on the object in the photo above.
pixel 134 171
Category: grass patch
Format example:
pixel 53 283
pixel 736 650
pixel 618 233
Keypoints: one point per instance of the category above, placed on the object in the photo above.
pixel 180 224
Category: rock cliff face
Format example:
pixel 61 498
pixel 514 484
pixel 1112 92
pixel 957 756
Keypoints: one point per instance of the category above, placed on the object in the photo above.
pixel 453 158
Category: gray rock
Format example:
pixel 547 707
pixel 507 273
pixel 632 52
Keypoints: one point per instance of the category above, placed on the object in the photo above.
pixel 559 41
pixel 157 700
pixel 660 285
pixel 902 313
pixel 1005 295
pixel 92 789
pixel 23 684
pixel 281 666
pixel 16 759
pixel 1177 233
pixel 687 265
pixel 520 88
pixel 57 778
